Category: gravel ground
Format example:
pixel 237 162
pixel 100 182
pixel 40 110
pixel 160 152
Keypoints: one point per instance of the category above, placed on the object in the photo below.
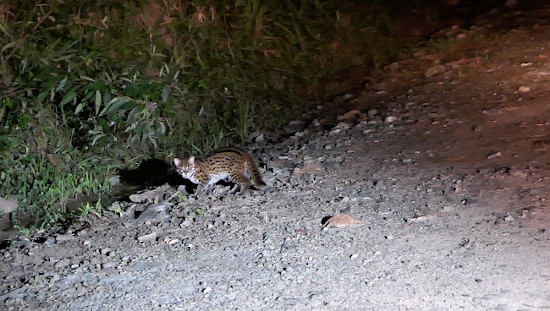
pixel 442 161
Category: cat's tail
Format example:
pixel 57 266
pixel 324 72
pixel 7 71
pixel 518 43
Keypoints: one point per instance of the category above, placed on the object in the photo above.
pixel 256 176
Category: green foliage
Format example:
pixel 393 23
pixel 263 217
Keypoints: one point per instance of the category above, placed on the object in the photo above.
pixel 90 210
pixel 43 182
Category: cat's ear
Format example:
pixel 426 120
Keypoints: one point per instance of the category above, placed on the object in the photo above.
pixel 177 162
pixel 191 159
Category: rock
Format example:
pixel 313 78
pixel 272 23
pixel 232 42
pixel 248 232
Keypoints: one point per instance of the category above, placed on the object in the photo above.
pixel 390 119
pixel 524 89
pixel 352 114
pixel 148 237
pixel 394 67
pixel 494 155
pixel 156 212
pixel 62 263
pixel 110 264
pixel 7 205
pixel 435 70
pixel 447 208
pixel 138 197
pixel 5 222
pixel 63 238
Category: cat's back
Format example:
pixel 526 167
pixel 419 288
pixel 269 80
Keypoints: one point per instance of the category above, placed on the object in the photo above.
pixel 228 155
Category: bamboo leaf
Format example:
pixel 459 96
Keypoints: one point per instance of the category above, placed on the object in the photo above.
pixel 67 98
pixel 8 46
pixel 115 107
pixel 165 94
pixel 61 85
pixel 79 108
pixel 132 114
pixel 97 101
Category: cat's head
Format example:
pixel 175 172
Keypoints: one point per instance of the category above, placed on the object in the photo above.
pixel 185 167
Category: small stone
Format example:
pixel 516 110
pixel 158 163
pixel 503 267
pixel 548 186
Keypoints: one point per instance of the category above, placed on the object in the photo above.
pixel 519 173
pixel 156 212
pixel 148 237
pixel 8 205
pixel 509 218
pixel 95 261
pixel 352 114
pixel 300 134
pixel 174 241
pixel 354 256
pixel 524 89
pixel 394 67
pixel 62 263
pixel 435 70
pixel 110 264
pixel 494 155
pixel 390 119
pixel 207 290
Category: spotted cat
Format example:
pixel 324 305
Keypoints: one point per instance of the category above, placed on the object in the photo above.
pixel 230 163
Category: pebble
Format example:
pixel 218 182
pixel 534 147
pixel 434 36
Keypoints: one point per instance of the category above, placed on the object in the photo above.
pixel 62 263
pixel 352 114
pixel 372 112
pixel 148 237
pixel 494 155
pixel 435 70
pixel 110 264
pixel 155 212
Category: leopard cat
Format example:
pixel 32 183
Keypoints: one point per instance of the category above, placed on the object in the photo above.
pixel 231 163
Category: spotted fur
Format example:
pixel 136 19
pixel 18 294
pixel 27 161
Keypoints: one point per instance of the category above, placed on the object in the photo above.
pixel 232 163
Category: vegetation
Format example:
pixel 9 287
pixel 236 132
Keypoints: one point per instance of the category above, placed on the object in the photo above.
pixel 90 86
